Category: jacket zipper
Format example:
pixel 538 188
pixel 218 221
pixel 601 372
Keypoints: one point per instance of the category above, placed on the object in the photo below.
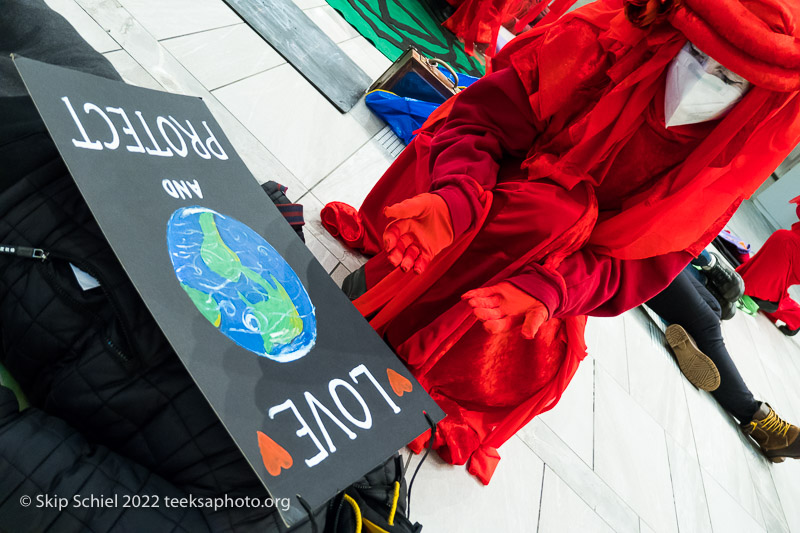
pixel 43 256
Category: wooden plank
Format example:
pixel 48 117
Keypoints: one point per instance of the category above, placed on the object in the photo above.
pixel 295 36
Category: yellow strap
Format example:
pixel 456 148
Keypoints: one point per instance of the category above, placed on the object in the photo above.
pixel 356 511
pixel 395 499
pixel 380 91
pixel 372 528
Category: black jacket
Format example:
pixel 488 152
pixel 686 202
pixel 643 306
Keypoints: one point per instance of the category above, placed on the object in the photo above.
pixel 115 412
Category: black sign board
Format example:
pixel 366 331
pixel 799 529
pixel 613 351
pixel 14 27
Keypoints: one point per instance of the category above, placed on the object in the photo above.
pixel 308 391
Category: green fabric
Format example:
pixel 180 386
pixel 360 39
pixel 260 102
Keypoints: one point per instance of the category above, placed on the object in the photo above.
pixel 7 381
pixel 747 305
pixel 393 26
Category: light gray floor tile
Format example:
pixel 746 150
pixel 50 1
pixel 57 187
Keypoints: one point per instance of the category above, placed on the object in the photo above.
pixel 174 77
pixel 131 71
pixel 366 56
pixel 644 528
pixel 180 17
pixel 726 513
pixel 656 382
pixel 720 449
pixel 308 4
pixel 745 354
pixel 580 478
pixel 223 56
pixel 562 510
pixel 446 499
pixel 322 254
pixel 786 476
pixel 687 487
pixel 572 419
pixel 352 180
pixel 761 474
pixel 92 32
pixel 779 358
pixel 631 454
pixel 331 23
pixel 296 123
pixel 605 341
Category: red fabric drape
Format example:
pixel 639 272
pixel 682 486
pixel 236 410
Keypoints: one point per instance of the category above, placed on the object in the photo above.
pixel 479 21
pixel 436 334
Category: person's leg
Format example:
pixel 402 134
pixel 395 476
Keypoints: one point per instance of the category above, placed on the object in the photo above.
pixel 681 303
pixel 702 260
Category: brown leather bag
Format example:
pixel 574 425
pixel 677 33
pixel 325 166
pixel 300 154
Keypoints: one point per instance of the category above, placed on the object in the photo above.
pixel 413 75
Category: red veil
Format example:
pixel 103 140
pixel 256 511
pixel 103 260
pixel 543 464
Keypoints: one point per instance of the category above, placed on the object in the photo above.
pixel 692 205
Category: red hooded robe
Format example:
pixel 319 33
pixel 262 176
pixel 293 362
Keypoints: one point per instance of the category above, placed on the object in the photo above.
pixel 773 269
pixel 561 178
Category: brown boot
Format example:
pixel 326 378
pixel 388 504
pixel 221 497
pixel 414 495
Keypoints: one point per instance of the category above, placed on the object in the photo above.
pixel 777 438
pixel 695 365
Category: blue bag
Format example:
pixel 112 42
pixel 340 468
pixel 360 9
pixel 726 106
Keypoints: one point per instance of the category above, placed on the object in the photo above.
pixel 403 114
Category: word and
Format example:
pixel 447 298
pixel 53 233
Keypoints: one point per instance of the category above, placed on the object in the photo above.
pixel 182 189
pixel 174 138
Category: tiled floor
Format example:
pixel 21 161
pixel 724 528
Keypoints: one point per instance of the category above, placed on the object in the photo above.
pixel 632 447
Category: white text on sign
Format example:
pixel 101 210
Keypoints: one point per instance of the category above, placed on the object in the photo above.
pixel 363 420
pixel 171 137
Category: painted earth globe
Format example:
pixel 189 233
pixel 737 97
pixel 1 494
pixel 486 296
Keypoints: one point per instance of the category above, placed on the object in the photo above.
pixel 241 284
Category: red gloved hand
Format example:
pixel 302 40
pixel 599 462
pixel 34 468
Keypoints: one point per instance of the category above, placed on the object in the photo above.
pixel 421 228
pixel 497 305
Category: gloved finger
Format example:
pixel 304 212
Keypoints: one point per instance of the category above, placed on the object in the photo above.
pixel 488 302
pixel 409 258
pixel 497 326
pixel 409 208
pixel 533 321
pixel 488 314
pixel 396 254
pixel 407 239
pixel 390 237
pixel 421 263
pixel 478 293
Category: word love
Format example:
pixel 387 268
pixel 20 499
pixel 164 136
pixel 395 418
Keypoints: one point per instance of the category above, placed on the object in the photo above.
pixel 362 419
pixel 166 138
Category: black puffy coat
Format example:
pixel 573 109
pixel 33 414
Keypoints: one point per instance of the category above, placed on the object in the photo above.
pixel 115 411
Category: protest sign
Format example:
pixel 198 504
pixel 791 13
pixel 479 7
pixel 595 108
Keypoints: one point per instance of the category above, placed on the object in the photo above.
pixel 308 391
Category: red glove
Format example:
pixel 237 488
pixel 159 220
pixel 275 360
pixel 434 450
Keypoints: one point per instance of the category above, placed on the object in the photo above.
pixel 420 229
pixel 497 305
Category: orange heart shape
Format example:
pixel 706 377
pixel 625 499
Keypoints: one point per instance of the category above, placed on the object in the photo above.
pixel 400 385
pixel 273 455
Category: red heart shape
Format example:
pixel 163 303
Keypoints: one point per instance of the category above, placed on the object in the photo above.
pixel 400 385
pixel 273 455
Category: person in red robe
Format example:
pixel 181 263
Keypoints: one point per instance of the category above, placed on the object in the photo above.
pixel 552 189
pixel 479 21
pixel 771 271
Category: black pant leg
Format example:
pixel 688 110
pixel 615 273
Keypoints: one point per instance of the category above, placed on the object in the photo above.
pixel 681 303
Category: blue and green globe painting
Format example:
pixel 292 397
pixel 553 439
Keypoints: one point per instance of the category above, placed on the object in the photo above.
pixel 241 284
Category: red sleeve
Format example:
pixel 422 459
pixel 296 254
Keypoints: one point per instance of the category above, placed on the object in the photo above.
pixel 590 283
pixel 489 121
